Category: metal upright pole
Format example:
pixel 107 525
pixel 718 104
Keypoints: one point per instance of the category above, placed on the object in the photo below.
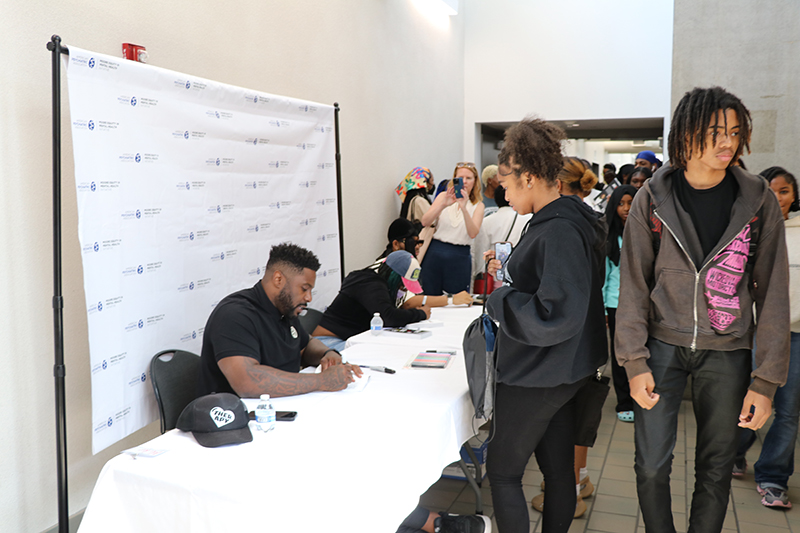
pixel 59 370
pixel 339 188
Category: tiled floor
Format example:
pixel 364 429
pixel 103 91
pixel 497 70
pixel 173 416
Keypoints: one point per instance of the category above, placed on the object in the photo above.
pixel 613 507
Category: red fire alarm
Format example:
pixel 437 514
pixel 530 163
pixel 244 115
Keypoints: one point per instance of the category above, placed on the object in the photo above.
pixel 134 52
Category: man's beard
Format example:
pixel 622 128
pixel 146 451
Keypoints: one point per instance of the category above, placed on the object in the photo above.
pixel 285 304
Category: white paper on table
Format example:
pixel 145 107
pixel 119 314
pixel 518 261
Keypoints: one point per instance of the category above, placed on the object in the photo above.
pixel 425 324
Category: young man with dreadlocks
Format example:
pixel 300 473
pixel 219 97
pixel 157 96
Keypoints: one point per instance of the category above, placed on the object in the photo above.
pixel 704 241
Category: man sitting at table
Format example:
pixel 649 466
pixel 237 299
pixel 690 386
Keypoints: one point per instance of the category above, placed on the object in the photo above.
pixel 253 343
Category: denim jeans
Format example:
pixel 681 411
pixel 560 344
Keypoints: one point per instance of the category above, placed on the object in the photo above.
pixel 719 384
pixel 776 463
pixel 335 343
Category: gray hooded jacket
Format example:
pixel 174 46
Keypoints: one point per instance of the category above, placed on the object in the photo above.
pixel 667 297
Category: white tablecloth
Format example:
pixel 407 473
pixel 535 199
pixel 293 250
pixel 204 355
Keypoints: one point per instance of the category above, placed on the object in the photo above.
pixel 352 461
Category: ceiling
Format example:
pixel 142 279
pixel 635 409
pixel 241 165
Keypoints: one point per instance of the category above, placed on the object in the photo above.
pixel 615 129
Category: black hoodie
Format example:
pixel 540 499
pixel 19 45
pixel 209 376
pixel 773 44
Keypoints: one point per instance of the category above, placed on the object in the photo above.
pixel 552 326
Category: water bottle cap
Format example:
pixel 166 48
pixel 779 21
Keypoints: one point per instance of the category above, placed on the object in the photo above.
pixel 265 396
pixel 377 314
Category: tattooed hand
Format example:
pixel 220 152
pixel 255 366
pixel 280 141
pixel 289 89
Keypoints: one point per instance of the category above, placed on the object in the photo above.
pixel 338 377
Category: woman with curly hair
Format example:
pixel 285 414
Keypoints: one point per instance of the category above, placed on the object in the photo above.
pixel 551 329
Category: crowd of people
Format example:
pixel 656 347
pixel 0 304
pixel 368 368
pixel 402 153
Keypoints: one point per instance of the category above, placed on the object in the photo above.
pixel 678 269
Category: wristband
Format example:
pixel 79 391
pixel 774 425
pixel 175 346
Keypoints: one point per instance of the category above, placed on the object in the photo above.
pixel 449 300
pixel 330 350
pixel 424 300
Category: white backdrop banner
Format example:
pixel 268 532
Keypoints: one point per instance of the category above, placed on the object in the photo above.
pixel 183 186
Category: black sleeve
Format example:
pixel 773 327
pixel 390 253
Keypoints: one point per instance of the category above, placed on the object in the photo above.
pixel 374 296
pixel 233 333
pixel 557 310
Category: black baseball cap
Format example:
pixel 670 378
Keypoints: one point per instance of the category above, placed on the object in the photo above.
pixel 216 420
pixel 401 229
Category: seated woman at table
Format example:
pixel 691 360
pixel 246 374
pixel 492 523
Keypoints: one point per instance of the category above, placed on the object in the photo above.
pixel 458 216
pixel 403 235
pixel 550 315
pixel 379 288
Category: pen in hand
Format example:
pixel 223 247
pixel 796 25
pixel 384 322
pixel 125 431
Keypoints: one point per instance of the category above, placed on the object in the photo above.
pixel 379 369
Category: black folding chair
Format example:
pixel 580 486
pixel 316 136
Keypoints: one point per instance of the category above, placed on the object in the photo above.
pixel 174 377
pixel 310 320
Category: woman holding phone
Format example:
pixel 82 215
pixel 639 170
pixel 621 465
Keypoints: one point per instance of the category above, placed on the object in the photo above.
pixel 457 214
pixel 550 316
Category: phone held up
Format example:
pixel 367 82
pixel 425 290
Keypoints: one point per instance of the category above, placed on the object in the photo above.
pixel 458 186
pixel 501 252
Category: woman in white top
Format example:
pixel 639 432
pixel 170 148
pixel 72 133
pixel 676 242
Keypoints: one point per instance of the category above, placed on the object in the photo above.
pixel 447 266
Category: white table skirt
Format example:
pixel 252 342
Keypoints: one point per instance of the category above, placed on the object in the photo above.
pixel 352 461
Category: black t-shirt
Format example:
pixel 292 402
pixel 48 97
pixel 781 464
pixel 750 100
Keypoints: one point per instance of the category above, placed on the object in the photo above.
pixel 710 209
pixel 247 323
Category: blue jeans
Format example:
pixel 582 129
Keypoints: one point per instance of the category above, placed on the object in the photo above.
pixel 776 463
pixel 334 343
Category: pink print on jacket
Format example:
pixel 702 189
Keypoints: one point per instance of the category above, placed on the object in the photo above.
pixel 722 281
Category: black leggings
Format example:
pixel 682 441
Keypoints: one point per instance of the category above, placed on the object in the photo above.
pixel 527 421
pixel 621 386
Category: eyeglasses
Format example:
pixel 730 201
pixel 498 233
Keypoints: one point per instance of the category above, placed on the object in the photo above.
pixel 465 165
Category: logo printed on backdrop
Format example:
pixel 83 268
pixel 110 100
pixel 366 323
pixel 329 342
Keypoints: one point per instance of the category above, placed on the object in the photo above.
pixel 133 101
pixel 91 62
pixel 93 186
pixel 90 125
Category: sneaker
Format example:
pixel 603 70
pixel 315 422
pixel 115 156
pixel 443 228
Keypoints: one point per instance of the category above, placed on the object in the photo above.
pixel 740 468
pixel 580 506
pixel 454 523
pixel 774 497
pixel 625 416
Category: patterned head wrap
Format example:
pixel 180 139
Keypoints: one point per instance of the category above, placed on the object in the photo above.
pixel 416 179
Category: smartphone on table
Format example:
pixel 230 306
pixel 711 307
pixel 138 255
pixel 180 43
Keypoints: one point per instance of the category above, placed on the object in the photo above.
pixel 501 252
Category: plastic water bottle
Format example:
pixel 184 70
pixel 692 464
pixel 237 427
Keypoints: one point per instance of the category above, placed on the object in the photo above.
pixel 376 324
pixel 265 414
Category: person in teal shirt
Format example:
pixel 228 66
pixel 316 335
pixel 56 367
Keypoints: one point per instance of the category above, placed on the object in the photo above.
pixel 619 205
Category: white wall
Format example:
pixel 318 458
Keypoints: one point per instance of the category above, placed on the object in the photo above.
pixel 398 79
pixel 566 60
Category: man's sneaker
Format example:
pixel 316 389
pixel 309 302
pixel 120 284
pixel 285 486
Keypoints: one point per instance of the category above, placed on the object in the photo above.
pixel 774 497
pixel 454 523
pixel 739 467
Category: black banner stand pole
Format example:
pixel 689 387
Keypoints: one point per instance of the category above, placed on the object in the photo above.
pixel 59 370
pixel 339 188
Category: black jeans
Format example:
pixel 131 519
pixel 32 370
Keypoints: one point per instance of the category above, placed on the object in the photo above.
pixel 719 384
pixel 526 421
pixel 621 387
